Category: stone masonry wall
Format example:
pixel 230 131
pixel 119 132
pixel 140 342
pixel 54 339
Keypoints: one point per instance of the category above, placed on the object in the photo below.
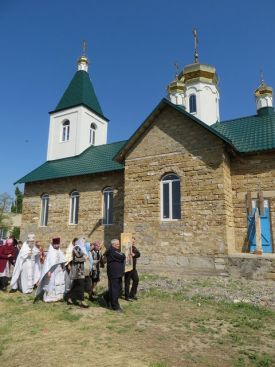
pixel 230 229
pixel 90 208
pixel 252 173
pixel 177 144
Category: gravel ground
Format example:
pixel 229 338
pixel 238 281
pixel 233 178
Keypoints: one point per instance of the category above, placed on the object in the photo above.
pixel 261 293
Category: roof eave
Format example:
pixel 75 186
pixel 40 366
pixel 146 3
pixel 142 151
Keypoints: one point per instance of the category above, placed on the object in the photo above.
pixel 21 180
pixel 144 126
pixel 80 104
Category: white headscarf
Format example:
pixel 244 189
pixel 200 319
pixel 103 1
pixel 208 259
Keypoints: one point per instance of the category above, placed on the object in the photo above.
pixel 81 243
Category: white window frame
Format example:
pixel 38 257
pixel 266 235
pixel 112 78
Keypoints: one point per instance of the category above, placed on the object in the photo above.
pixel 109 191
pixel 169 183
pixel 65 131
pixel 44 213
pixel 74 199
pixel 93 128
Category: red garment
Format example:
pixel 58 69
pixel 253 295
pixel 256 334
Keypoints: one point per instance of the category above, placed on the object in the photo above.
pixel 42 255
pixel 6 250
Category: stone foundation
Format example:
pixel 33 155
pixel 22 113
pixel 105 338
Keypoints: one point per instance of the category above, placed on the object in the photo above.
pixel 236 266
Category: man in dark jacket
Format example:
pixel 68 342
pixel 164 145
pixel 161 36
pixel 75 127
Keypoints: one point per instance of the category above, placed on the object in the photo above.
pixel 133 274
pixel 115 272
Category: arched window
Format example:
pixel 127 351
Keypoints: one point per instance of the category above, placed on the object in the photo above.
pixel 65 131
pixel 170 197
pixel 74 207
pixel 192 103
pixel 44 210
pixel 107 206
pixel 92 134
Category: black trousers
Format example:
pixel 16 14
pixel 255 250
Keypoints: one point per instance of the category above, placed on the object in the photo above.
pixel 133 274
pixel 3 282
pixel 77 291
pixel 114 289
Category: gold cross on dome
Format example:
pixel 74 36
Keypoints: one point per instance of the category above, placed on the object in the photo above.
pixel 261 76
pixel 84 47
pixel 177 69
pixel 196 41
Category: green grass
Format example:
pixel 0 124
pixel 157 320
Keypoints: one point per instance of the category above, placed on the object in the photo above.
pixel 162 329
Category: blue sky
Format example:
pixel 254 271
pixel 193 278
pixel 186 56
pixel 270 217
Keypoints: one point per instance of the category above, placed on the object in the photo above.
pixel 132 46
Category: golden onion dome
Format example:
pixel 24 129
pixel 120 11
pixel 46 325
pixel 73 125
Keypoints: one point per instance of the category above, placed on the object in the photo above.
pixel 176 86
pixel 83 59
pixel 263 90
pixel 199 72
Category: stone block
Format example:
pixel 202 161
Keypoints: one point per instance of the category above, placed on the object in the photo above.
pixel 220 267
pixel 201 262
pixel 269 276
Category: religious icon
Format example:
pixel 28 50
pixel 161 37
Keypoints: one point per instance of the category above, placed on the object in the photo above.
pixel 126 248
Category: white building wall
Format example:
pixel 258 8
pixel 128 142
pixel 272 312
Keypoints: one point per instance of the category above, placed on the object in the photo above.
pixel 177 98
pixel 80 121
pixel 264 101
pixel 207 97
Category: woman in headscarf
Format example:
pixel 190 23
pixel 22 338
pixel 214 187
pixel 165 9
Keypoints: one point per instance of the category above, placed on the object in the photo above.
pixel 77 275
pixel 68 267
pixel 97 261
pixel 88 269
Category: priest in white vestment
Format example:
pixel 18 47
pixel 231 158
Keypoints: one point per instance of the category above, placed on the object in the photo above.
pixel 52 280
pixel 24 275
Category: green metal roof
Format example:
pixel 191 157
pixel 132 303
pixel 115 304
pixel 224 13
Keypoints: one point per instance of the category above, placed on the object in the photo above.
pixel 251 133
pixel 80 92
pixel 149 120
pixel 95 159
pixel 245 135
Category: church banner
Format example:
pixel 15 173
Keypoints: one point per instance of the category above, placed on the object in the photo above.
pixel 126 248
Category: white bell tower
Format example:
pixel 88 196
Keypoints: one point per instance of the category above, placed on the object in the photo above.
pixel 77 121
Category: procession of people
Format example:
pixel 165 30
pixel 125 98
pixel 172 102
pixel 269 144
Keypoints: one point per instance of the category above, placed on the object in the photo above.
pixel 57 276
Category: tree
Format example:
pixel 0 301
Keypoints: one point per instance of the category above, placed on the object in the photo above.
pixel 15 232
pixel 17 203
pixel 5 206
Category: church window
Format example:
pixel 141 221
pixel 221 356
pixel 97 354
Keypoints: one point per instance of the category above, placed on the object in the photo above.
pixel 192 103
pixel 92 134
pixel 170 197
pixel 74 209
pixel 107 206
pixel 65 131
pixel 44 210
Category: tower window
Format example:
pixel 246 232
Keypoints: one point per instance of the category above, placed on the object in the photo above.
pixel 192 103
pixel 74 208
pixel 170 197
pixel 44 210
pixel 107 206
pixel 65 131
pixel 92 134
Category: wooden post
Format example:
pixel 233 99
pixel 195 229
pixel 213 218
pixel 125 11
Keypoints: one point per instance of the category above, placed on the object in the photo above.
pixel 259 249
pixel 249 203
pixel 261 202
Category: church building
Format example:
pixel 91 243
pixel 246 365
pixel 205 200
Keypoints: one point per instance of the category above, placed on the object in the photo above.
pixel 193 189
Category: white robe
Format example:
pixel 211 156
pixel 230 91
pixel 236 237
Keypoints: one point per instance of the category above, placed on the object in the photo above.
pixel 53 286
pixel 24 275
